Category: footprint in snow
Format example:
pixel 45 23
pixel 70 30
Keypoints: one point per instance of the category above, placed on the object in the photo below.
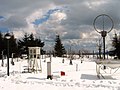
pixel 101 81
pixel 109 82
pixel 63 80
pixel 93 81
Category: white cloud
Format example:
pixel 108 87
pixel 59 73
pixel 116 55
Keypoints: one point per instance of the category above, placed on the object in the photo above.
pixel 59 16
pixel 37 14
pixel 75 17
pixel 95 3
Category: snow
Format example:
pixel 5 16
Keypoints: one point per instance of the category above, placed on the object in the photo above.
pixel 79 76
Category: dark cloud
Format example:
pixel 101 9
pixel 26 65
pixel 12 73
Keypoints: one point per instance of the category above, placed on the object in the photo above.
pixel 80 15
pixel 14 22
pixel 79 12
pixel 72 35
pixel 16 11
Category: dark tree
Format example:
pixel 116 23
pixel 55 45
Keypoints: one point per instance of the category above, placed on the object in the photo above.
pixel 12 45
pixel 28 41
pixel 1 44
pixel 116 45
pixel 23 43
pixel 59 48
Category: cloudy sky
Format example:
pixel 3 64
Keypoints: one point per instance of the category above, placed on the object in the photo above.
pixel 71 19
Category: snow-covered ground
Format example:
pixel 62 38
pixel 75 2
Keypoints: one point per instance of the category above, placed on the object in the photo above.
pixel 79 76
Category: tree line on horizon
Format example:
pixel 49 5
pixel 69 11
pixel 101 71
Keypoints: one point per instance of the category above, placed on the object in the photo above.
pixel 20 46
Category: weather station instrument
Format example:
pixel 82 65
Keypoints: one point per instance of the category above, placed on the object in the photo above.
pixel 103 24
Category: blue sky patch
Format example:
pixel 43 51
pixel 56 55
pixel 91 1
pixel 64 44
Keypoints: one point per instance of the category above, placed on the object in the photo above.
pixel 1 17
pixel 45 17
pixel 3 29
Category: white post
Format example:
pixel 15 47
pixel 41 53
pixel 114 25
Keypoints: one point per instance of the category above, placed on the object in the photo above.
pixel 49 70
pixel 12 59
pixel 76 67
pixel 98 70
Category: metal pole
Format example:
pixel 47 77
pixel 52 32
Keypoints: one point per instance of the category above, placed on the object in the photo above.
pixel 103 47
pixel 103 34
pixel 104 50
pixel 93 53
pixel 2 59
pixel 12 59
pixel 99 47
pixel 7 57
pixel 100 52
pixel 70 56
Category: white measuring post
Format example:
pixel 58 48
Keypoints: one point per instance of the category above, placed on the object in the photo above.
pixel 76 67
pixel 49 70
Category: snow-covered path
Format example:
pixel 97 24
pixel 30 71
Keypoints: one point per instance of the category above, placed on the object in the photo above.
pixel 81 78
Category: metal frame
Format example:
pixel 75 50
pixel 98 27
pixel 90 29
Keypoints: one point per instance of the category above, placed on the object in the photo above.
pixel 103 32
pixel 34 53
pixel 111 70
pixel 100 16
